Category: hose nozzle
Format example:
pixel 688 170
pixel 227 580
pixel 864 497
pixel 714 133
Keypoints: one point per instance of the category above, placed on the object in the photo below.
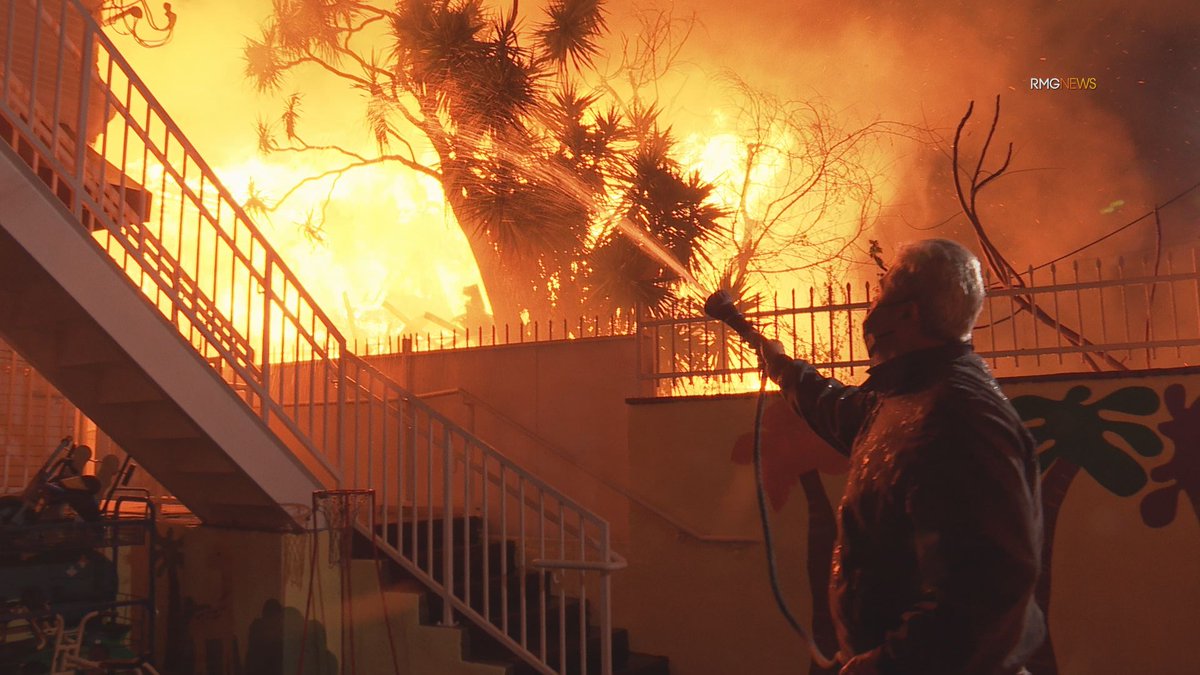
pixel 720 306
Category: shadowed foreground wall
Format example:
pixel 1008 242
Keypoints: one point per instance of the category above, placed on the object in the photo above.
pixel 1125 593
pixel 234 601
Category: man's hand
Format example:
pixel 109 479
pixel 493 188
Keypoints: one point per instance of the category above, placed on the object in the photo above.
pixel 863 664
pixel 774 358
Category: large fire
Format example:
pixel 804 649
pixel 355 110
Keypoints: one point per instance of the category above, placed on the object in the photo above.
pixel 376 246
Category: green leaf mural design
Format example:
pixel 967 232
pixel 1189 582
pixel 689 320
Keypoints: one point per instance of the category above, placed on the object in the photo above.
pixel 1080 435
pixel 1075 435
pixel 1180 475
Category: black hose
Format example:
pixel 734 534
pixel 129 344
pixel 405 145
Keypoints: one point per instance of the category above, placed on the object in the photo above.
pixel 817 656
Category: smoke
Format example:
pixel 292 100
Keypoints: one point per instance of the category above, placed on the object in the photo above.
pixel 1084 161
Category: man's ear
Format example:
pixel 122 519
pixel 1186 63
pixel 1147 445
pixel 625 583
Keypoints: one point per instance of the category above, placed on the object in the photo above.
pixel 910 319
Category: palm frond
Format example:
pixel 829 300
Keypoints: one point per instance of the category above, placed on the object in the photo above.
pixel 379 121
pixel 291 115
pixel 571 30
pixel 266 137
pixel 264 67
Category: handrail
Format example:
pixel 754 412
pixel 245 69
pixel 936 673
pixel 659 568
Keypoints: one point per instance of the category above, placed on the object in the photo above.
pixel 477 479
pixel 624 491
pixel 403 395
pixel 145 251
pixel 618 564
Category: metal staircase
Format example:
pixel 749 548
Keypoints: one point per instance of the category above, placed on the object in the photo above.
pixel 174 325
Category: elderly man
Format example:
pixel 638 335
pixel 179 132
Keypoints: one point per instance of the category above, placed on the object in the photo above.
pixel 939 530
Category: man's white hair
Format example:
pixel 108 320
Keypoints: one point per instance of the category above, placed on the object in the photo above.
pixel 943 278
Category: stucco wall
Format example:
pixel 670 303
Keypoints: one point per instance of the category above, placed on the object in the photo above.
pixel 1125 595
pixel 555 408
pixel 239 601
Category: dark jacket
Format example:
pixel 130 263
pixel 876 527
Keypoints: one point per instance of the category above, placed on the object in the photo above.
pixel 939 530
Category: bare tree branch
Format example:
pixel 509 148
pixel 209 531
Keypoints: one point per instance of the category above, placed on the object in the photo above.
pixel 1004 270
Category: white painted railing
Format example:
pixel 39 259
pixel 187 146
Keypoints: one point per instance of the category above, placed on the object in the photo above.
pixel 423 465
pixel 75 112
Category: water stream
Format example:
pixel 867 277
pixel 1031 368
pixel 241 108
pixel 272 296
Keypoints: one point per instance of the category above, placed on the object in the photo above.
pixel 652 246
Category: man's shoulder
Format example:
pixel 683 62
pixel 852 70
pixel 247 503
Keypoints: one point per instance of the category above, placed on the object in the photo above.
pixel 970 402
pixel 968 382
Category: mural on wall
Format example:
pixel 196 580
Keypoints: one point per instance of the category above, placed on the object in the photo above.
pixel 792 454
pixel 1071 437
pixel 1112 438
pixel 1180 475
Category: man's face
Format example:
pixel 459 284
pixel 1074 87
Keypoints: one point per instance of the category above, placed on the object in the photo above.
pixel 892 326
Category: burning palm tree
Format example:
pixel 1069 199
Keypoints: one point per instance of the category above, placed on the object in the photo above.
pixel 530 165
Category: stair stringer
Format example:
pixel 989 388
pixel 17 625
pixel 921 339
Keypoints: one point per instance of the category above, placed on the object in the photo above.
pixel 58 244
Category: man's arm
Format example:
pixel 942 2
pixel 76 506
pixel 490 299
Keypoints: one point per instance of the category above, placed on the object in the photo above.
pixel 833 410
pixel 975 535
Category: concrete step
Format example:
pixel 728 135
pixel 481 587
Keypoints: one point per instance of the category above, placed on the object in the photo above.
pixel 482 646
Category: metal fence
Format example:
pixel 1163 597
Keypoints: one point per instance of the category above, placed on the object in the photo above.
pixel 1116 315
pixel 620 323
pixel 33 418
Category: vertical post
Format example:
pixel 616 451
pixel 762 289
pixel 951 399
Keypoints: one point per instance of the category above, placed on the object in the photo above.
pixel 991 315
pixel 1013 310
pixel 466 591
pixel 1057 314
pixel 849 326
pixel 637 345
pixel 543 575
pixel 1196 288
pixel 383 455
pixel 1036 345
pixel 265 351
pixel 605 604
pixel 485 514
pixel 583 599
pixel 364 386
pixel 8 48
pixel 1174 308
pixel 1100 293
pixel 37 51
pixel 503 492
pixel 413 445
pixel 56 114
pixel 85 72
pixel 562 593
pixel 521 596
pixel 833 350
pixel 1079 308
pixel 447 527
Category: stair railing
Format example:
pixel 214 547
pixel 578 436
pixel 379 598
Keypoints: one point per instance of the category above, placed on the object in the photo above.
pixel 559 454
pixel 425 468
pixel 192 251
pixel 76 113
